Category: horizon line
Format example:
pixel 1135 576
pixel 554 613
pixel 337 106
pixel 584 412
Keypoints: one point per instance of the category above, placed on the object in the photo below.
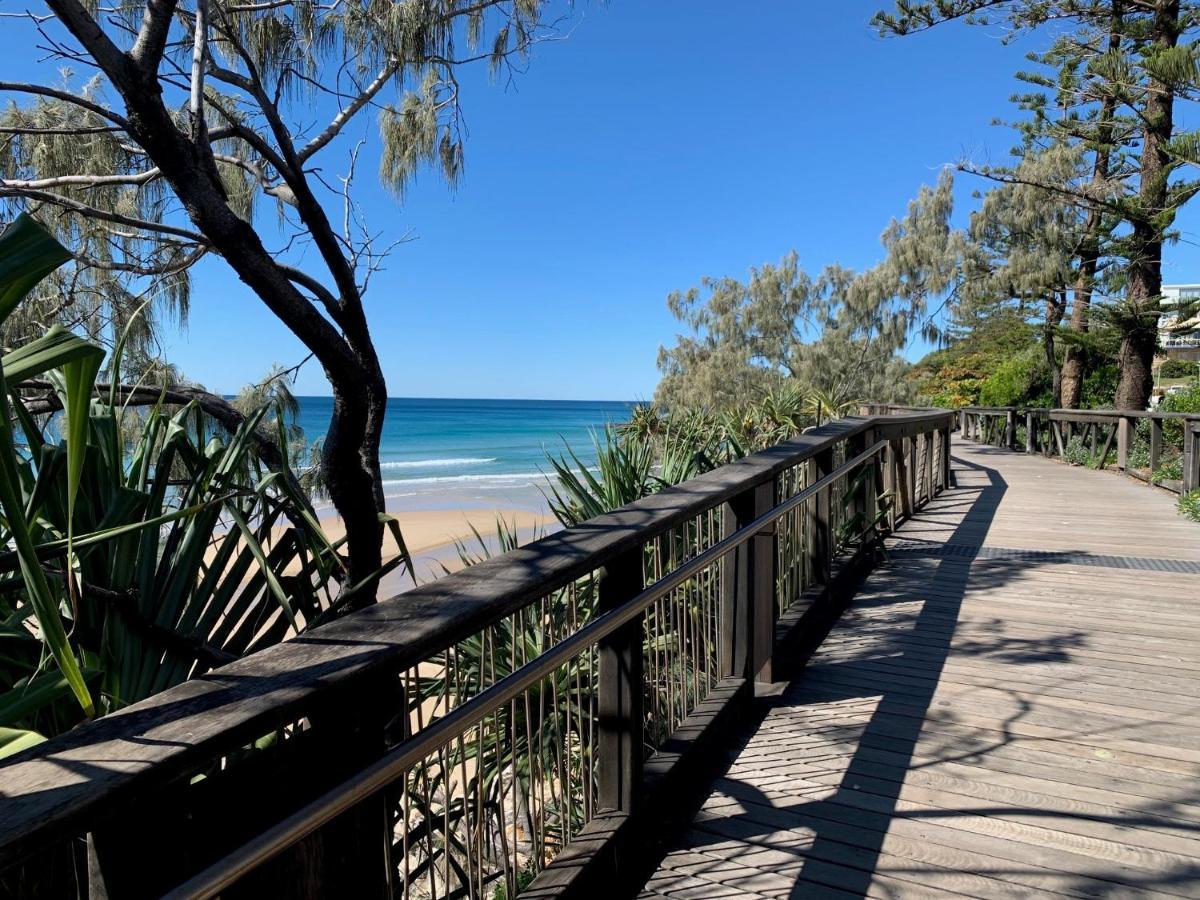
pixel 492 399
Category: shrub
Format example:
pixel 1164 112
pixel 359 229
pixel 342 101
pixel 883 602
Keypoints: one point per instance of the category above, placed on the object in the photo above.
pixel 1187 400
pixel 1016 380
pixel 1189 505
pixel 1179 368
pixel 1139 455
pixel 1076 453
pixel 1171 470
pixel 1099 388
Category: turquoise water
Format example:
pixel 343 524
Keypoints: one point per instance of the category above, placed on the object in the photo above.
pixel 486 453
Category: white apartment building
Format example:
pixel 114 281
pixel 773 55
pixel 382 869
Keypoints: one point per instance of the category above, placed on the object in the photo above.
pixel 1180 343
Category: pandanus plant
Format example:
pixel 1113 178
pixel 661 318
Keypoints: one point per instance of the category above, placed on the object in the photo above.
pixel 130 559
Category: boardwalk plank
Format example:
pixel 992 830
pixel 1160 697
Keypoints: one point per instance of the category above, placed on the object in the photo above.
pixel 983 722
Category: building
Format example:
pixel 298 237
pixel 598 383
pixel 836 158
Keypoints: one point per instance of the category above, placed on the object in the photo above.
pixel 1180 342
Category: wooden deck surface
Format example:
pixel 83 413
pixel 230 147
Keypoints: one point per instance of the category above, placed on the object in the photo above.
pixel 984 721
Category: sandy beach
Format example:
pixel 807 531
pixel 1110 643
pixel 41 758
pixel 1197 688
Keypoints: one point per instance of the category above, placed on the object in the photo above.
pixel 430 535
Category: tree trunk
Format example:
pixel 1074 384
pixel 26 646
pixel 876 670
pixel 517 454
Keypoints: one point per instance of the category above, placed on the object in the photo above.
pixel 1139 337
pixel 1135 360
pixel 1054 315
pixel 350 464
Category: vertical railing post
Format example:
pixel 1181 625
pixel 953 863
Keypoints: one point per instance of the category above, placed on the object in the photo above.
pixel 926 440
pixel 1156 441
pixel 620 695
pixel 820 520
pixel 1010 429
pixel 913 472
pixel 1191 455
pixel 945 461
pixel 1125 435
pixel 962 422
pixel 748 588
pixel 1031 440
pixel 900 478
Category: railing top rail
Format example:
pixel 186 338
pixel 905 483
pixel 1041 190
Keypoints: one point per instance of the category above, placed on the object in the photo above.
pixel 1068 413
pixel 94 768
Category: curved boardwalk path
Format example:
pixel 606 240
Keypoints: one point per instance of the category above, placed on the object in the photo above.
pixel 1010 708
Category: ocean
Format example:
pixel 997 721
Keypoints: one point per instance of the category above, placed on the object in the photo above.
pixel 483 454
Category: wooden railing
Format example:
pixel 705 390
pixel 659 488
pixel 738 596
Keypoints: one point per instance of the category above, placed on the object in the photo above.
pixel 514 721
pixel 1137 443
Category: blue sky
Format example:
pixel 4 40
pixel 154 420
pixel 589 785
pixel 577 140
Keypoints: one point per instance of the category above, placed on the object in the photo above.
pixel 660 141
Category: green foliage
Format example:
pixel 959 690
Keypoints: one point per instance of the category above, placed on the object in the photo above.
pixel 1022 380
pixel 1139 454
pixel 1179 368
pixel 1076 452
pixel 1185 401
pixel 1169 470
pixel 132 565
pixel 1189 505
pixel 1099 387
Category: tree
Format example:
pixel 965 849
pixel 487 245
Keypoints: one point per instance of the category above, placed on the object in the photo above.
pixel 210 122
pixel 742 336
pixel 1030 238
pixel 1123 55
pixel 840 334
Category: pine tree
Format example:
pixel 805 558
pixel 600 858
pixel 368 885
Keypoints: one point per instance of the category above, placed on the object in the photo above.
pixel 1124 62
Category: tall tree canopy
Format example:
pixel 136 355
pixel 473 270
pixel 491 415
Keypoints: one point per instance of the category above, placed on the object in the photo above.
pixel 1118 70
pixel 198 118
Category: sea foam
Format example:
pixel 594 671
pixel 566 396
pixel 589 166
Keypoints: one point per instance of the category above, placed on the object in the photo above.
pixel 437 463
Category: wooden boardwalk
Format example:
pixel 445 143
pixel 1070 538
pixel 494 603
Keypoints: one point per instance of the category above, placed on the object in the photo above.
pixel 984 721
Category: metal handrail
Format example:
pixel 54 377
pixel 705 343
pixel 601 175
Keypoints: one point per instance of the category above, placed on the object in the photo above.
pixel 385 770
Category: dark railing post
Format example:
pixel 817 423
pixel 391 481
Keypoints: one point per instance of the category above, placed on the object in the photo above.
pixel 620 695
pixel 1010 429
pixel 1031 440
pixel 1191 455
pixel 944 462
pixel 748 611
pixel 820 519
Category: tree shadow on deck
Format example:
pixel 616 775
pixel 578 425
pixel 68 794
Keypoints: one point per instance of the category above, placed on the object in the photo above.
pixel 803 818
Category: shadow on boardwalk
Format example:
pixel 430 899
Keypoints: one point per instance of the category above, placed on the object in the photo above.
pixel 873 775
